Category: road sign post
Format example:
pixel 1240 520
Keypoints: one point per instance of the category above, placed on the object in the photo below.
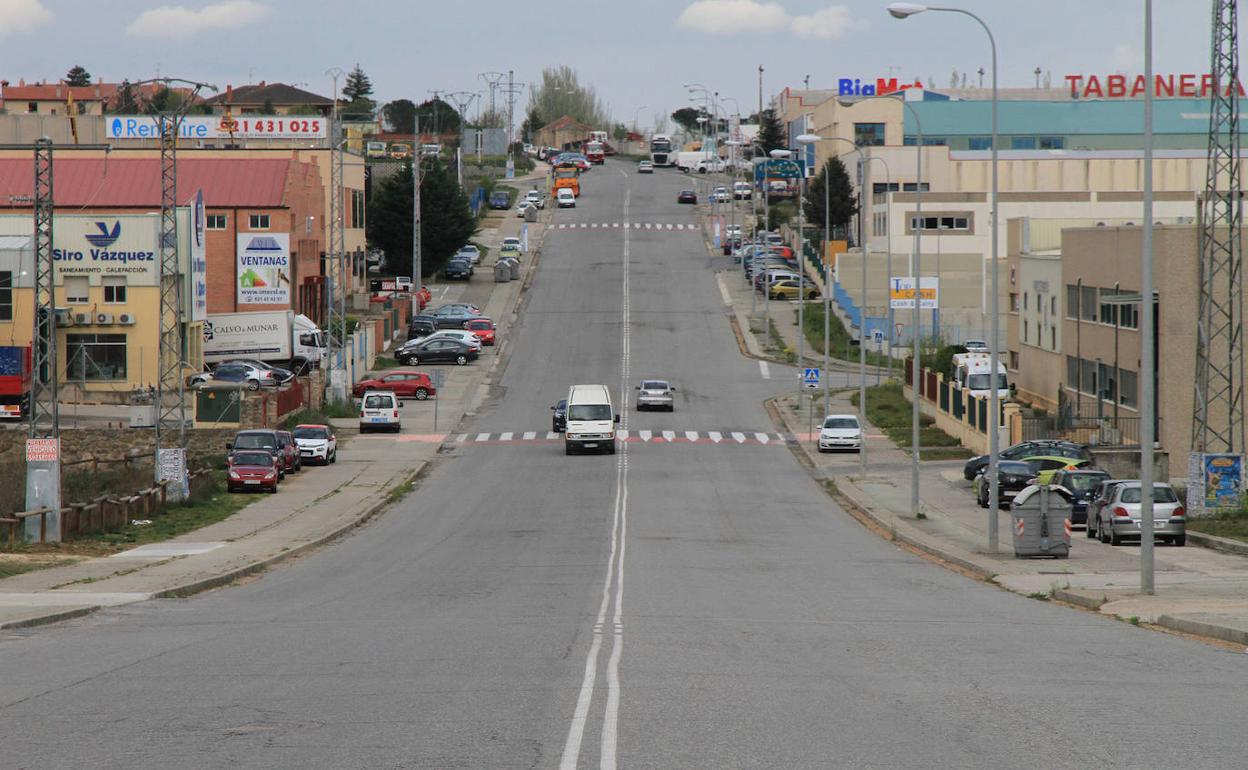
pixel 438 378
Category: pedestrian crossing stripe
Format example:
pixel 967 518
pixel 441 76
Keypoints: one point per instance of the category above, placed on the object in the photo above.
pixel 625 225
pixel 708 437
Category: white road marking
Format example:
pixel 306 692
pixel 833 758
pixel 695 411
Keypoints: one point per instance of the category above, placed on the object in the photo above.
pixel 723 290
pixel 647 224
pixel 763 438
pixel 669 435
pixel 613 224
pixel 738 437
pixel 551 435
pixel 669 225
pixel 764 370
pixel 505 436
pixel 622 435
pixel 644 434
pixel 529 435
pixel 482 437
pixel 692 435
pixel 461 438
pixel 716 436
pixel 583 225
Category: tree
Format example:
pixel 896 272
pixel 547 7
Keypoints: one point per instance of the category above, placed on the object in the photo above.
pixel 495 119
pixel 437 117
pixel 687 118
pixel 533 123
pixel 446 220
pixel 77 76
pixel 267 108
pixel 840 202
pixel 620 132
pixel 400 116
pixel 358 86
pixel 771 132
pixel 560 93
pixel 163 100
pixel 125 103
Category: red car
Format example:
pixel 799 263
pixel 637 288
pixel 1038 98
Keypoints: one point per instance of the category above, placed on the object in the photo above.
pixel 252 469
pixel 484 329
pixel 404 383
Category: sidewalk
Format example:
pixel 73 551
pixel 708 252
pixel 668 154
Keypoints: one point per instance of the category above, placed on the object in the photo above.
pixel 313 507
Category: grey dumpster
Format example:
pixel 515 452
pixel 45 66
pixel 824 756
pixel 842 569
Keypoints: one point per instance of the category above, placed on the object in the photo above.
pixel 530 214
pixel 1041 515
pixel 502 273
pixel 514 264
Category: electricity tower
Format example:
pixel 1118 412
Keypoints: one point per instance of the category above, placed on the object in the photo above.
pixel 335 256
pixel 1218 424
pixel 493 80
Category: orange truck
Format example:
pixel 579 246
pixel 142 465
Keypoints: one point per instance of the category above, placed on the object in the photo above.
pixel 566 175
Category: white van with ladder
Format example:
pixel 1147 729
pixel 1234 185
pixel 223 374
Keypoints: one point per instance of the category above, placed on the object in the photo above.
pixel 591 420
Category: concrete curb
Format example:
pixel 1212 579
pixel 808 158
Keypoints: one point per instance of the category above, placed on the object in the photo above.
pixel 1215 543
pixel 52 617
pixel 1201 628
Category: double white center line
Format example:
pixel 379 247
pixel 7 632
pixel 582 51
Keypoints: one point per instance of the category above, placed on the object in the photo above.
pixel 614 576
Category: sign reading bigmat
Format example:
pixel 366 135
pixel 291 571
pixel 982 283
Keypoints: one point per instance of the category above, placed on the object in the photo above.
pixel 263 269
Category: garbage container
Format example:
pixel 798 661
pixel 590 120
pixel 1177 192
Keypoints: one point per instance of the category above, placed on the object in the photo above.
pixel 1041 515
pixel 530 214
pixel 514 264
pixel 502 273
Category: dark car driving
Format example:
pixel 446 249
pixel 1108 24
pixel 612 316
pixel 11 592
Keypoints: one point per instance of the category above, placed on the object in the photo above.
pixel 1082 484
pixel 500 200
pixel 440 349
pixel 687 196
pixel 559 416
pixel 458 269
pixel 1045 447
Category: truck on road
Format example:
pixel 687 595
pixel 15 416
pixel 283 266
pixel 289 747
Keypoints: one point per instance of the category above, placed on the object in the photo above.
pixel 278 337
pixel 595 153
pixel 14 382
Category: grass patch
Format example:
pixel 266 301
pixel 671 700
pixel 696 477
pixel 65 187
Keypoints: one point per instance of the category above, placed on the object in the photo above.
pixel 1038 595
pixel 889 411
pixel 401 491
pixel 1228 524
pixel 320 416
pixel 777 344
pixel 385 362
pixel 17 565
pixel 840 345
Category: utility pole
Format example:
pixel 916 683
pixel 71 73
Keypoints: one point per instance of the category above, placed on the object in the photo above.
pixel 43 477
pixel 462 101
pixel 417 263
pixel 336 285
pixel 493 80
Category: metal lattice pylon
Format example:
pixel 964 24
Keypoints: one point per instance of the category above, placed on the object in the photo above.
pixel 171 364
pixel 336 286
pixel 44 412
pixel 1218 424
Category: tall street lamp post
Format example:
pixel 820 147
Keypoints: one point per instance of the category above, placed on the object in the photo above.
pixel 902 11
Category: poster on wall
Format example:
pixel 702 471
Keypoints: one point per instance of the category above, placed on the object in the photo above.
pixel 199 260
pixel 1215 482
pixel 263 272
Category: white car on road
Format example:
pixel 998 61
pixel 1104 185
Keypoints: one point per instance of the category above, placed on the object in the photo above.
pixel 566 199
pixel 840 431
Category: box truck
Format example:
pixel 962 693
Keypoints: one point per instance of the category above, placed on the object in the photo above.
pixel 278 337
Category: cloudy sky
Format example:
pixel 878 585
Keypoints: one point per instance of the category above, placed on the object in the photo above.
pixel 635 52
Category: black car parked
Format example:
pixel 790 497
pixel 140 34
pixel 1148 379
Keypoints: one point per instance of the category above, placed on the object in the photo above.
pixel 559 416
pixel 421 326
pixel 1082 484
pixel 1046 447
pixel 436 349
pixel 458 269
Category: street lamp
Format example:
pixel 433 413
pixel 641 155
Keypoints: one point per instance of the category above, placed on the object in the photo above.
pixel 902 11
pixel 775 155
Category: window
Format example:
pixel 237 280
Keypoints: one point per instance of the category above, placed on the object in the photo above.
pixel 76 290
pixel 1088 303
pixel 1013 302
pixel 1072 372
pixel 1014 360
pixel 869 134
pixel 1129 316
pixel 95 357
pixel 357 208
pixel 979 143
pixel 6 295
pixel 959 222
pixel 1026 330
pixel 258 221
pixel 1052 337
pixel 32 106
pixel 1052 142
pixel 928 141
pixel 1108 312
pixel 114 290
pixel 1053 305
pixel 1023 143
pixel 215 222
pixel 1129 388
pixel 1088 375
pixel 912 187
pixel 1072 300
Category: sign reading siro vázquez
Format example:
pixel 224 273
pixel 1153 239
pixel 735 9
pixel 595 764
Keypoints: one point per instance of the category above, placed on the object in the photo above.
pixel 213 127
pixel 106 245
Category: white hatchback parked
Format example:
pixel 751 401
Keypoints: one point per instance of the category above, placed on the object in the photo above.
pixel 379 410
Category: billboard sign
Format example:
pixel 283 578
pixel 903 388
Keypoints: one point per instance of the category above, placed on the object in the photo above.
pixel 263 269
pixel 107 245
pixel 211 127
pixel 901 293
pixel 199 260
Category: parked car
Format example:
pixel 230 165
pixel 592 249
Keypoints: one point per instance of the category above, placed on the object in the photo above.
pixel 566 198
pixel 508 252
pixel 420 327
pixel 437 350
pixel 1082 484
pixel 536 198
pixel 469 252
pixel 1054 447
pixel 500 200
pixel 457 269
pixel 511 242
pixel 731 243
pixel 379 409
pixel 1100 497
pixel 252 469
pixel 260 438
pixel 484 329
pixel 788 288
pixel 523 208
pixel 1046 465
pixel 656 394
pixel 282 376
pixel 244 375
pixel 317 443
pixel 687 196
pixel 840 431
pixel 559 416
pixel 645 167
pixel 1012 477
pixel 459 335
pixel 287 446
pixel 721 195
pixel 405 383
pixel 451 316
pixel 1119 519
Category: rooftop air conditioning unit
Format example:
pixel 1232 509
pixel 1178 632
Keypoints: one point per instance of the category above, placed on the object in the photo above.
pixel 125 319
pixel 82 319
pixel 104 319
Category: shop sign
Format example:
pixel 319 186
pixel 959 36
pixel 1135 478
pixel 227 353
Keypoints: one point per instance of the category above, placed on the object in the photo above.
pixel 1189 86
pixel 263 269
pixel 881 86
pixel 212 127
pixel 106 246
pixel 901 293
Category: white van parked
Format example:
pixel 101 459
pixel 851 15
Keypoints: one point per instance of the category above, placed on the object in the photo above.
pixel 566 198
pixel 591 420
pixel 379 410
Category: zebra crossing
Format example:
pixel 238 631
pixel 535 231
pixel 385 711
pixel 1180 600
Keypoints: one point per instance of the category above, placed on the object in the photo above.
pixel 723 437
pixel 653 226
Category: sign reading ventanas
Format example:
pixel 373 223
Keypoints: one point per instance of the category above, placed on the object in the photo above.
pixel 264 269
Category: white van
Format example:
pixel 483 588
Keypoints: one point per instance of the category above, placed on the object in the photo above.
pixel 379 410
pixel 973 372
pixel 566 198
pixel 591 420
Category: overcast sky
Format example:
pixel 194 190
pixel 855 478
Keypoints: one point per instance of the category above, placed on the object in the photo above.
pixel 634 52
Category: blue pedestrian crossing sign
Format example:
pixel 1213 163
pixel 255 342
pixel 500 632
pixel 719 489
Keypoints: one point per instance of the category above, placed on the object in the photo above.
pixel 810 378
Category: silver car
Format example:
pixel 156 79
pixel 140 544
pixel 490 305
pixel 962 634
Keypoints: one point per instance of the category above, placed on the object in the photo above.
pixel 1119 518
pixel 656 394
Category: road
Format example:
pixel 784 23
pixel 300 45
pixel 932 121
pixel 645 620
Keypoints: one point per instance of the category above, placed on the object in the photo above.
pixel 679 605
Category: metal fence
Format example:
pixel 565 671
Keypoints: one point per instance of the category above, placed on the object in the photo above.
pixel 1106 431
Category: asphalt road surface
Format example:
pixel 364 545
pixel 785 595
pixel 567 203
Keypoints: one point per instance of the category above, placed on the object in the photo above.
pixel 677 605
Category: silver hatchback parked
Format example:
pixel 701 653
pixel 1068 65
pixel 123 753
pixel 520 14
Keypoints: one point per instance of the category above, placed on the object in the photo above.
pixel 1119 518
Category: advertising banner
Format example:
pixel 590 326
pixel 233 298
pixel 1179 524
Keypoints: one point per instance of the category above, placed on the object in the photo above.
pixel 212 127
pixel 263 271
pixel 97 246
pixel 901 293
pixel 199 261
